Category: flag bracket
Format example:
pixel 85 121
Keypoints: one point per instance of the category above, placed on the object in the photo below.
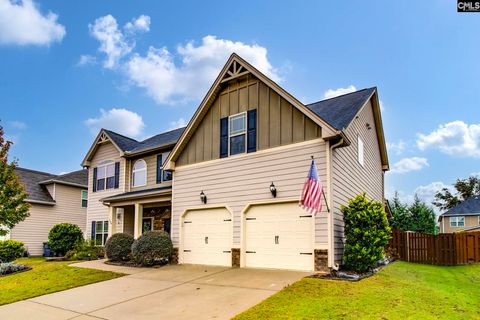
pixel 323 193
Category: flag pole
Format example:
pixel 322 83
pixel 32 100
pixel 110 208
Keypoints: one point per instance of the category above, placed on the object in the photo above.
pixel 324 197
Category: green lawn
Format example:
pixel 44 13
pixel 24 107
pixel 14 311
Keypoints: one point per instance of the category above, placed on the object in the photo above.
pixel 400 291
pixel 47 277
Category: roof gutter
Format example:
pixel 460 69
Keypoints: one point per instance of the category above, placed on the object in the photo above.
pixel 127 154
pixel 73 184
pixel 48 203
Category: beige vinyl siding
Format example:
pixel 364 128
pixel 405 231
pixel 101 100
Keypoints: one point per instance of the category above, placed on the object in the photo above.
pixel 470 221
pixel 243 179
pixel 278 122
pixel 33 231
pixel 349 178
pixel 151 161
pixel 96 211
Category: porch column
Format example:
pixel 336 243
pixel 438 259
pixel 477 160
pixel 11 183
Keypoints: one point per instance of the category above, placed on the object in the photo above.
pixel 137 228
pixel 112 220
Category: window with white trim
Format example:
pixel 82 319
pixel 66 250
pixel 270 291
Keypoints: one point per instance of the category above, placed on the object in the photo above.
pixel 457 221
pixel 139 173
pixel 106 176
pixel 360 150
pixel 101 232
pixel 84 198
pixel 237 133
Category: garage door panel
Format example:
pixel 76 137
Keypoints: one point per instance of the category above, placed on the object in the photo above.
pixel 279 236
pixel 207 237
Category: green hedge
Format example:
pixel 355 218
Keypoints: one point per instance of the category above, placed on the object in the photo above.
pixel 119 247
pixel 152 247
pixel 10 250
pixel 366 233
pixel 64 237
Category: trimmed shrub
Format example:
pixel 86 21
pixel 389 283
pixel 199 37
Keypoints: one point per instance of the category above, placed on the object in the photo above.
pixel 152 247
pixel 64 237
pixel 119 247
pixel 11 250
pixel 366 233
pixel 85 250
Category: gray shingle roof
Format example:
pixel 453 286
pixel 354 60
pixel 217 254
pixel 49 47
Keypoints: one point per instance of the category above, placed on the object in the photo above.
pixel 79 178
pixel 129 145
pixel 35 182
pixel 340 111
pixel 30 179
pixel 136 193
pixel 469 206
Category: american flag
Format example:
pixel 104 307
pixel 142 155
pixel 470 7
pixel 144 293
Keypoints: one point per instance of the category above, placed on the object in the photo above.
pixel 312 191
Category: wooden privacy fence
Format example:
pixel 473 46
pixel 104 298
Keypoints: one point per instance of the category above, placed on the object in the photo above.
pixel 442 249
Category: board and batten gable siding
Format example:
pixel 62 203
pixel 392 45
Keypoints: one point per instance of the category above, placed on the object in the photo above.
pixel 278 122
pixel 349 177
pixel 96 211
pixel 151 161
pixel 244 179
pixel 33 231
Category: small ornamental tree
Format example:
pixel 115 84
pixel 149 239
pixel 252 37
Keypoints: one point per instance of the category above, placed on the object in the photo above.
pixel 64 237
pixel 13 205
pixel 366 233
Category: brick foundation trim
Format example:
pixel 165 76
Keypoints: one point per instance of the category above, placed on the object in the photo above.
pixel 236 257
pixel 174 258
pixel 321 260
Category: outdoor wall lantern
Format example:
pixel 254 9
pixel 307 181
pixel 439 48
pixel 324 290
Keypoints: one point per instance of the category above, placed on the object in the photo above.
pixel 273 190
pixel 203 197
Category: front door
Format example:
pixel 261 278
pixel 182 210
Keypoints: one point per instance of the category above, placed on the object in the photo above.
pixel 146 224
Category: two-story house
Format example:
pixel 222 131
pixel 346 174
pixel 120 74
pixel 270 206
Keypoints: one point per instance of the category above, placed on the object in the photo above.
pixel 53 199
pixel 238 171
pixel 128 189
pixel 463 217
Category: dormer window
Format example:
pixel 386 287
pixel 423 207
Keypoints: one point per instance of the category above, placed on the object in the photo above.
pixel 139 173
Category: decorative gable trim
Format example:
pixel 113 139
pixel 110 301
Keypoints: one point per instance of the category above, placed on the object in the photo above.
pixel 234 68
pixel 101 138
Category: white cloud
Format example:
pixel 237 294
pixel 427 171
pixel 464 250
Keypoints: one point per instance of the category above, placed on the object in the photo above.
pixel 332 93
pixel 425 192
pixel 475 174
pixel 409 164
pixel 396 148
pixel 121 121
pixel 86 59
pixel 169 82
pixel 21 23
pixel 177 124
pixel 112 41
pixel 141 24
pixel 17 125
pixel 453 138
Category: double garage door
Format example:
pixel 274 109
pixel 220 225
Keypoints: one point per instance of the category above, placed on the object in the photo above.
pixel 276 236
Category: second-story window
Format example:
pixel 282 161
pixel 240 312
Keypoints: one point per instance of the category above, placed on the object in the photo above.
pixel 237 133
pixel 139 173
pixel 84 198
pixel 106 176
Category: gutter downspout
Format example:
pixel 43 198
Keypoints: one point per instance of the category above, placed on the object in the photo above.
pixel 331 240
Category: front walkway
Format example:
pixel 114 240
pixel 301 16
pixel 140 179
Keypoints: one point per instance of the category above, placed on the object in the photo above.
pixel 176 292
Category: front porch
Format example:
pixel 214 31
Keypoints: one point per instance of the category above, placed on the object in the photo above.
pixel 139 212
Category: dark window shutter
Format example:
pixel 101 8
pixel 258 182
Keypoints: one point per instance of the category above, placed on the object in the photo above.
pixel 93 230
pixel 117 175
pixel 159 168
pixel 94 179
pixel 224 137
pixel 252 131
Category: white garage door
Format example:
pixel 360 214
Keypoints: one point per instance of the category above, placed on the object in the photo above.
pixel 207 237
pixel 279 236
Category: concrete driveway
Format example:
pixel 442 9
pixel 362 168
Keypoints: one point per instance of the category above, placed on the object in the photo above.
pixel 176 292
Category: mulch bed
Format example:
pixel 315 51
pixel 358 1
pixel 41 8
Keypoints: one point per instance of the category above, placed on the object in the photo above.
pixel 27 268
pixel 351 276
pixel 131 264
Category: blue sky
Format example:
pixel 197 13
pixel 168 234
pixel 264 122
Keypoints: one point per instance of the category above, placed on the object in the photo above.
pixel 141 67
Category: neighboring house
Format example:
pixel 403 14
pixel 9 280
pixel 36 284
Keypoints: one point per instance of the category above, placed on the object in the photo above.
pixel 247 136
pixel 463 217
pixel 53 199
